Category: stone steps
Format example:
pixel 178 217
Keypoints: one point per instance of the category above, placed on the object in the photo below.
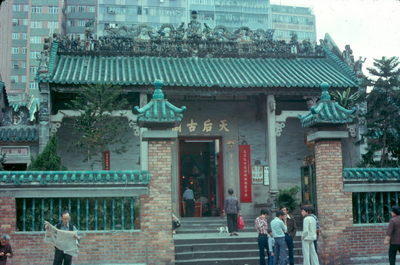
pixel 198 242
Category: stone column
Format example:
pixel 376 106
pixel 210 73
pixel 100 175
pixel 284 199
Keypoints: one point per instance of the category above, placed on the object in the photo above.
pixel 44 116
pixel 334 205
pixel 271 136
pixel 143 144
pixel 156 211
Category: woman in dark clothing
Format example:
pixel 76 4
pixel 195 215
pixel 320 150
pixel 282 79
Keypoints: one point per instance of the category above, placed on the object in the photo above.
pixel 231 209
pixel 5 249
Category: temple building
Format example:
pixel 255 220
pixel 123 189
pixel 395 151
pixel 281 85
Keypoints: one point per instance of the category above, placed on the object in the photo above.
pixel 243 92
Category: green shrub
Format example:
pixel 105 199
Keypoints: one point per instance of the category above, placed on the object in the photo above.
pixel 287 198
pixel 48 160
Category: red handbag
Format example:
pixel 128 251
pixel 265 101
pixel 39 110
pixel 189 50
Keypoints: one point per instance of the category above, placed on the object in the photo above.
pixel 240 223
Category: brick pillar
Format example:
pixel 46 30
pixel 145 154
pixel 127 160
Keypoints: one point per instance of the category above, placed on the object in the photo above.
pixel 334 205
pixel 8 215
pixel 156 220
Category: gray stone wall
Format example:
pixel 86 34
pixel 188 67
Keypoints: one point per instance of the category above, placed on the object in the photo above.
pixel 73 158
pixel 291 151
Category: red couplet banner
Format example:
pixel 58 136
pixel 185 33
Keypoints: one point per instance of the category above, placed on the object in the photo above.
pixel 106 160
pixel 245 173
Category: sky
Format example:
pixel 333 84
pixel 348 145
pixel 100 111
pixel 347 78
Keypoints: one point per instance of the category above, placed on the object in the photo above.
pixel 371 27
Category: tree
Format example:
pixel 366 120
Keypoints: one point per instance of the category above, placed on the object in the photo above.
pixel 346 98
pixel 383 114
pixel 48 160
pixel 98 129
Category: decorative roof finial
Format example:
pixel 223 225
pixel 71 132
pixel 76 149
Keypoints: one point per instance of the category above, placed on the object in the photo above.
pixel 158 94
pixel 325 91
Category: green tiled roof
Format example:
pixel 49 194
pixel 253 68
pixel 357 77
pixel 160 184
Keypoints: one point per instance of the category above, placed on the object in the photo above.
pixel 74 177
pixel 19 134
pixel 159 113
pixel 198 72
pixel 371 174
pixel 327 111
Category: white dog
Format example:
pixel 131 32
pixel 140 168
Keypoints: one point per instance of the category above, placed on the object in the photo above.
pixel 223 229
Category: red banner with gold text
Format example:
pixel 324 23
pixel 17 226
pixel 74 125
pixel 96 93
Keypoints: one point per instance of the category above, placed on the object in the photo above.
pixel 245 173
pixel 106 160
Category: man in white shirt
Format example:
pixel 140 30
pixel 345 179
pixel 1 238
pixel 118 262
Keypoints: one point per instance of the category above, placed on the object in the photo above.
pixel 308 236
pixel 278 232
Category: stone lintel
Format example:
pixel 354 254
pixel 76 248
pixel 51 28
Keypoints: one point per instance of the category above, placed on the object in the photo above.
pixel 371 187
pixel 68 192
pixel 325 135
pixel 154 135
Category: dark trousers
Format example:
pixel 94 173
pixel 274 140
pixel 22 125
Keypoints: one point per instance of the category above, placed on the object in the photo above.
pixel 60 256
pixel 289 243
pixel 280 253
pixel 315 245
pixel 393 249
pixel 262 247
pixel 189 208
pixel 231 219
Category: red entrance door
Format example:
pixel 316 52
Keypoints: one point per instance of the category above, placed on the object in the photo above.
pixel 201 169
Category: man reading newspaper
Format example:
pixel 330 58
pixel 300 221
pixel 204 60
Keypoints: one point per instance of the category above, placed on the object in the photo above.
pixel 64 238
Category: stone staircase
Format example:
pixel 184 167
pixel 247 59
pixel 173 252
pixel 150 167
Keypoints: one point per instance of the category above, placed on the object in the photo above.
pixel 198 242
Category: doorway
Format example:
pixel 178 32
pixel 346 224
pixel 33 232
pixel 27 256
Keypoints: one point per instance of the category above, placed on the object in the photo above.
pixel 14 167
pixel 200 168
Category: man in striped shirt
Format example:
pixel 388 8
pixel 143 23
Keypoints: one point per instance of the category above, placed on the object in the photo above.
pixel 262 229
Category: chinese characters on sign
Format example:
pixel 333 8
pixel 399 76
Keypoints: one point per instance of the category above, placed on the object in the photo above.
pixel 245 173
pixel 260 175
pixel 257 174
pixel 207 126
pixel 15 151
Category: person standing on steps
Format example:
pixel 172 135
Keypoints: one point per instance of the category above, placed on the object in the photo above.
pixel 262 229
pixel 279 229
pixel 231 209
pixel 188 198
pixel 290 223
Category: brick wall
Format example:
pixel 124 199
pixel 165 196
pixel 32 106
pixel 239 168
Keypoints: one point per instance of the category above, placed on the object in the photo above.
pixel 334 205
pixel 364 240
pixel 156 220
pixel 153 244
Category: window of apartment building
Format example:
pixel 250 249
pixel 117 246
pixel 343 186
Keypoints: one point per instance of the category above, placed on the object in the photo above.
pixel 52 24
pixel 36 9
pixel 80 23
pixel 36 24
pixel 15 22
pixel 35 55
pixel 23 65
pixel 26 8
pixel 15 36
pixel 25 22
pixel 33 85
pixel 23 78
pixel 81 9
pixel 71 9
pixel 14 79
pixel 116 10
pixel 15 64
pixel 16 8
pixel 14 50
pixel 53 10
pixel 33 70
pixel 36 39
pixel 91 9
pixel 23 50
pixel 139 10
pixel 24 36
